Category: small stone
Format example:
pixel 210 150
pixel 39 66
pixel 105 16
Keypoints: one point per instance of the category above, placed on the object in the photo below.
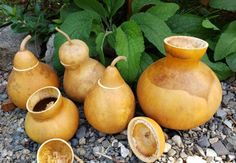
pixel 219 148
pixel 210 153
pixel 231 157
pixel 177 140
pixel 210 160
pixel 226 130
pixel 26 151
pixel 74 142
pixel 200 151
pixel 121 137
pixel 3 97
pixel 218 159
pixel 81 132
pixel 221 113
pixel 124 151
pixel 98 149
pixel 195 159
pixel 167 147
pixel 82 152
pixel 106 143
pixel 100 140
pixel 171 152
pixel 4 153
pixel 179 160
pixel 232 140
pixel 203 142
pixel 183 155
pixel 228 123
pixel 228 97
pixel 213 140
pixel 82 141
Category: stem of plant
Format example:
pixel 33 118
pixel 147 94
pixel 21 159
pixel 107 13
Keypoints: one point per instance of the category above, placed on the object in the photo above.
pixel 24 42
pixel 64 34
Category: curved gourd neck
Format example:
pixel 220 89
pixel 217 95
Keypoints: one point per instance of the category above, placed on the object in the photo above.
pixel 41 94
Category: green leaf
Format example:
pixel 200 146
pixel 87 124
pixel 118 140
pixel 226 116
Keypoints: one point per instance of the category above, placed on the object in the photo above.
pixel 188 24
pixel 206 23
pixel 78 26
pixel 231 61
pixel 92 5
pixel 154 29
pixel 146 60
pixel 129 43
pixel 138 4
pixel 227 42
pixel 164 10
pixel 221 69
pixel 229 5
pixel 113 6
pixel 66 10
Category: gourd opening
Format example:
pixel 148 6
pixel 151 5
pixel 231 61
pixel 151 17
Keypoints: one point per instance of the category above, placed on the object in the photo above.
pixel 43 99
pixel 186 42
pixel 55 150
pixel 144 140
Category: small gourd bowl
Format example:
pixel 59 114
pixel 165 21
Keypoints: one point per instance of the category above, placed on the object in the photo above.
pixel 55 149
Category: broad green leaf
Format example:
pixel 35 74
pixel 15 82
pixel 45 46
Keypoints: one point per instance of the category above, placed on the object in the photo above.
pixel 229 5
pixel 67 10
pixel 146 60
pixel 113 6
pixel 231 61
pixel 92 5
pixel 138 4
pixel 227 42
pixel 164 10
pixel 129 43
pixel 78 26
pixel 206 23
pixel 221 69
pixel 154 29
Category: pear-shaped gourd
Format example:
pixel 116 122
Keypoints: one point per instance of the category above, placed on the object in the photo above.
pixel 110 105
pixel 28 75
pixel 81 72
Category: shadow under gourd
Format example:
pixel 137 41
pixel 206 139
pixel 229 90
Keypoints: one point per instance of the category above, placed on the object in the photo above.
pixel 81 71
pixel 57 117
pixel 28 75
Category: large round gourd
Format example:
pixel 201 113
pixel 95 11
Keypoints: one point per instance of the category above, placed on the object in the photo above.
pixel 179 91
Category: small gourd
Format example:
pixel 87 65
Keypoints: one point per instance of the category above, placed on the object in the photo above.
pixel 110 105
pixel 28 75
pixel 81 72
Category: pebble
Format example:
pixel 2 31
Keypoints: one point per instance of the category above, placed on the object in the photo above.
pixel 81 132
pixel 82 141
pixel 232 140
pixel 183 155
pixel 74 142
pixel 106 143
pixel 171 152
pixel 195 159
pixel 98 149
pixel 213 140
pixel 221 113
pixel 82 151
pixel 231 157
pixel 200 151
pixel 228 123
pixel 210 153
pixel 203 142
pixel 167 147
pixel 124 151
pixel 220 148
pixel 177 140
pixel 179 160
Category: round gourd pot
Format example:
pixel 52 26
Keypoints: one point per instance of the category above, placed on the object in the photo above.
pixel 179 91
pixel 50 115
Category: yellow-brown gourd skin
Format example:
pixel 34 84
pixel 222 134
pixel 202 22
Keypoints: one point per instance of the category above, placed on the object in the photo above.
pixel 81 72
pixel 80 80
pixel 27 76
pixel 61 120
pixel 110 105
pixel 179 91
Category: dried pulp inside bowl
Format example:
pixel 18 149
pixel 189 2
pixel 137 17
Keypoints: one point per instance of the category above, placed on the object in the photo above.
pixel 144 140
pixel 54 152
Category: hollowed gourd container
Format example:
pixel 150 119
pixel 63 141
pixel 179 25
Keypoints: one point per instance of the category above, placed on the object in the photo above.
pixel 50 115
pixel 179 91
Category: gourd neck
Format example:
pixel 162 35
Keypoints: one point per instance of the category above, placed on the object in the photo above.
pixel 50 108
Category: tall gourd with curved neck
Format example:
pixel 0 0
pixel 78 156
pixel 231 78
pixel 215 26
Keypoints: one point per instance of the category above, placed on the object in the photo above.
pixel 81 72
pixel 179 91
pixel 28 75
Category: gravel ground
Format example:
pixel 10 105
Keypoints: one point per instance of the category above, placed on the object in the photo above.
pixel 214 142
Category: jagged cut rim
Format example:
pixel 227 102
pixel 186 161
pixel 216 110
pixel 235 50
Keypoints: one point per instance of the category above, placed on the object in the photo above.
pixel 186 42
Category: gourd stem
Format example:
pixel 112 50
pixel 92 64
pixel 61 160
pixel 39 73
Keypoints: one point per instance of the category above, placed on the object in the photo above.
pixel 24 42
pixel 64 34
pixel 117 59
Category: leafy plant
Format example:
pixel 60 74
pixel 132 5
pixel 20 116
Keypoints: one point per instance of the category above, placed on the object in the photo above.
pixel 137 28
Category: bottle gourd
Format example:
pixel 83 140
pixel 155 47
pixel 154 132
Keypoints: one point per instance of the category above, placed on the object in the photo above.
pixel 28 75
pixel 81 72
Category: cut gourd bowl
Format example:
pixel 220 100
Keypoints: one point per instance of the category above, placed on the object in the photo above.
pixel 146 139
pixel 55 150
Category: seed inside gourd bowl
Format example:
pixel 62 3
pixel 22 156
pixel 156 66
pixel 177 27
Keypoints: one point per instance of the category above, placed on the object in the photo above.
pixel 55 151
